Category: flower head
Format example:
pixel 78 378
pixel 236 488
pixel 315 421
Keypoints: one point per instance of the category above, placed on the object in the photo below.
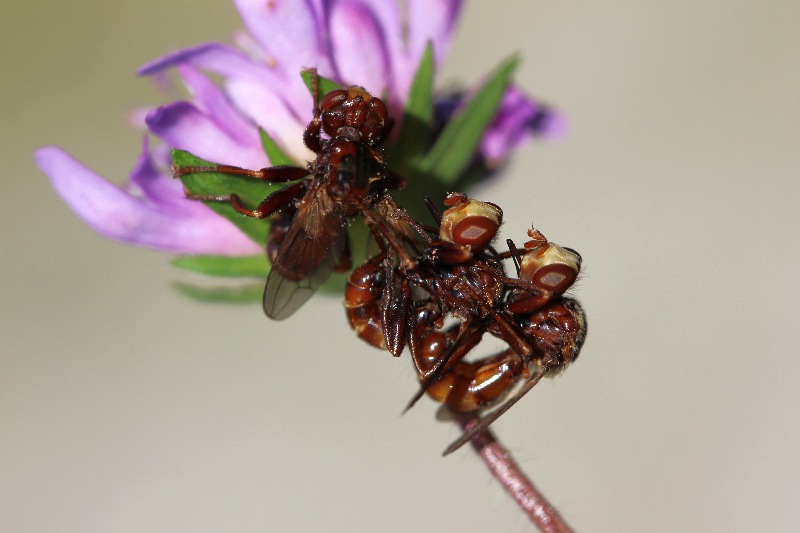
pixel 373 43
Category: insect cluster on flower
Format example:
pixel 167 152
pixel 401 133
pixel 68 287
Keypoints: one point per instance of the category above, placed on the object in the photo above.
pixel 437 289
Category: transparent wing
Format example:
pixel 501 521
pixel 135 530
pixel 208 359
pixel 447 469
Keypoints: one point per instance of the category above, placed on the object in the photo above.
pixel 309 252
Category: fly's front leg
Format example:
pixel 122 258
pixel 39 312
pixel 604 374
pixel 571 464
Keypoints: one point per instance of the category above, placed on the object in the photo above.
pixel 279 174
pixel 269 205
pixel 312 135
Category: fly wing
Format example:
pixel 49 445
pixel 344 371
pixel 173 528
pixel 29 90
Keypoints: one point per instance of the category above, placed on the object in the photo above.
pixel 309 252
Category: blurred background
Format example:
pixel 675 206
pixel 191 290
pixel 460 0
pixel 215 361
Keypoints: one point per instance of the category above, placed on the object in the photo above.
pixel 127 407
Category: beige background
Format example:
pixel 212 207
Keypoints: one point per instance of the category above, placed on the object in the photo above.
pixel 126 407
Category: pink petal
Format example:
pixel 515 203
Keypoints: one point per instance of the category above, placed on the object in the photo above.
pixel 235 67
pixel 518 119
pixel 554 128
pixel 247 43
pixel 288 30
pixel 271 113
pixel 137 116
pixel 291 34
pixel 210 98
pixel 182 125
pixel 431 20
pixel 216 57
pixel 263 95
pixel 155 186
pixel 359 49
pixel 117 215
pixel 390 21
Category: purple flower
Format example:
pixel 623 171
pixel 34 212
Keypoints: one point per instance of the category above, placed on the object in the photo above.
pixel 150 210
pixel 517 121
pixel 365 42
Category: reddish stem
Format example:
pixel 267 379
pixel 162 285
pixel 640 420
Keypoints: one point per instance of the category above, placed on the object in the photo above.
pixel 513 479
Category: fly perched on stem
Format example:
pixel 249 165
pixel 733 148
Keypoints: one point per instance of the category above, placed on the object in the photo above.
pixel 349 177
pixel 461 276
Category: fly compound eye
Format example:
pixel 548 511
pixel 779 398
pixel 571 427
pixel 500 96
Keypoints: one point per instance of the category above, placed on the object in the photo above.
pixel 551 267
pixel 332 111
pixel 475 231
pixel 471 223
pixel 332 100
pixel 375 121
pixel 555 277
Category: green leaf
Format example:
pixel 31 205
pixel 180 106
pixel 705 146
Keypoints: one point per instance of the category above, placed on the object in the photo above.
pixel 251 191
pixel 325 85
pixel 275 153
pixel 456 146
pixel 414 137
pixel 254 266
pixel 245 294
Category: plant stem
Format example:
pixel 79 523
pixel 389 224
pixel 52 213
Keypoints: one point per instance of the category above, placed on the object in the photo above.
pixel 513 479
